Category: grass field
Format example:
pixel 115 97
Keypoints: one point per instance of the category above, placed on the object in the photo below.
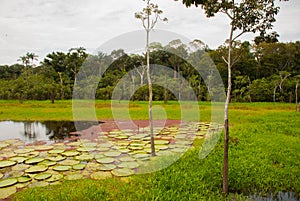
pixel 263 157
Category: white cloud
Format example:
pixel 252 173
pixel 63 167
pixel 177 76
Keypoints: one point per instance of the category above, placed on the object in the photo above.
pixel 43 26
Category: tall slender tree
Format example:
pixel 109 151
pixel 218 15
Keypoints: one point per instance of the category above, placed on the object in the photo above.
pixel 244 16
pixel 149 16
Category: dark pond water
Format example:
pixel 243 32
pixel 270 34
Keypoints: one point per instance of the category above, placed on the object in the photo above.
pixel 31 131
pixel 281 196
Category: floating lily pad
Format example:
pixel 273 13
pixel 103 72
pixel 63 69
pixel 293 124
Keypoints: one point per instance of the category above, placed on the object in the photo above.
pixel 70 153
pixel 43 148
pixel 8 182
pixel 107 167
pixel 47 162
pixel 39 184
pixel 14 174
pixel 42 176
pixel 34 154
pixel 3 145
pixel 78 166
pixel 121 137
pixel 7 163
pixel 126 159
pixel 8 154
pixel 24 179
pixel 124 172
pixel 161 147
pixel 1 175
pixel 135 148
pixel 101 175
pixel 105 145
pixel 102 149
pixel 163 142
pixel 18 159
pixel 105 160
pixel 56 151
pixel 55 177
pixel 89 144
pixel 69 162
pixel 62 168
pixel 22 185
pixel 36 169
pixel 74 144
pixel 35 160
pixel 73 177
pixel 129 164
pixel 56 158
pixel 84 157
pixel 112 153
pixel 20 167
pixel 7 192
pixel 86 149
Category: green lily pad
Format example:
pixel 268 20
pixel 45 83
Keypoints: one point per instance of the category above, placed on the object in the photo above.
pixel 7 192
pixel 36 169
pixel 126 159
pixel 3 145
pixel 78 166
pixel 129 164
pixel 23 151
pixel 101 175
pixel 86 149
pixel 73 176
pixel 56 158
pixel 162 142
pixel 161 147
pixel 112 153
pixel 8 182
pixel 8 155
pixel 20 167
pixel 42 176
pixel 56 151
pixel 35 160
pixel 105 160
pixel 135 148
pixel 107 167
pixel 34 154
pixel 70 153
pixel 124 172
pixel 22 185
pixel 15 174
pixel 62 168
pixel 43 148
pixel 84 157
pixel 38 184
pixel 102 149
pixel 89 144
pixel 1 175
pixel 18 159
pixel 105 145
pixel 7 163
pixel 69 162
pixel 121 137
pixel 74 144
pixel 24 179
pixel 47 162
pixel 55 177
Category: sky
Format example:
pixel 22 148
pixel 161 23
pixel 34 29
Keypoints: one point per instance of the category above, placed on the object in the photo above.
pixel 45 26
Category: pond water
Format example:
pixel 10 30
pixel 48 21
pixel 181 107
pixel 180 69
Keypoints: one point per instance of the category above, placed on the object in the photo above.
pixel 31 131
pixel 281 196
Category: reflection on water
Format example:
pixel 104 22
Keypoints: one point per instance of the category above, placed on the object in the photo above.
pixel 30 131
pixel 281 196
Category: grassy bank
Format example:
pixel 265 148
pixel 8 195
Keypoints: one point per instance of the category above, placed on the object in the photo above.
pixel 264 157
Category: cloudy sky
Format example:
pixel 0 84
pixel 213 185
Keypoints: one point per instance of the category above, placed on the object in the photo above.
pixel 44 26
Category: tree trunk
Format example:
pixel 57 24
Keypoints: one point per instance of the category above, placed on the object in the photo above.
pixel 274 94
pixel 226 121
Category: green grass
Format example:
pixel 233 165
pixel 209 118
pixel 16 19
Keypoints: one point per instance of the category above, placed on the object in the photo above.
pixel 263 157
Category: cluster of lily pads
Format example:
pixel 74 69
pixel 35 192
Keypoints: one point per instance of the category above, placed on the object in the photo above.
pixel 110 154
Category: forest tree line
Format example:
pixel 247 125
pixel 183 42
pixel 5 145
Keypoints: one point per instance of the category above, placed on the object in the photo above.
pixel 265 71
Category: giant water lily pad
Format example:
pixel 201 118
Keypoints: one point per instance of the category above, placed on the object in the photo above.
pixel 43 148
pixel 47 162
pixel 84 157
pixel 3 145
pixel 24 179
pixel 70 153
pixel 36 169
pixel 107 167
pixel 39 184
pixel 35 160
pixel 56 151
pixel 74 144
pixel 89 144
pixel 6 163
pixel 20 167
pixel 86 149
pixel 73 176
pixel 56 158
pixel 126 159
pixel 105 160
pixel 102 149
pixel 8 154
pixel 124 172
pixel 129 164
pixel 62 168
pixel 7 192
pixel 1 175
pixel 78 166
pixel 42 176
pixel 112 153
pixel 69 162
pixel 101 175
pixel 162 142
pixel 18 159
pixel 55 177
pixel 8 182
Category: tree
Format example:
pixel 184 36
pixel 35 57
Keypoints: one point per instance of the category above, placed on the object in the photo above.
pixel 244 16
pixel 297 79
pixel 148 24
